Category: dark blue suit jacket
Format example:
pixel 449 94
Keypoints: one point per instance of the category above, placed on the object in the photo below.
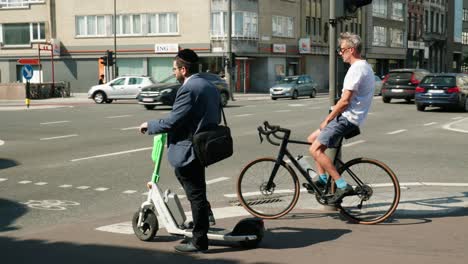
pixel 196 108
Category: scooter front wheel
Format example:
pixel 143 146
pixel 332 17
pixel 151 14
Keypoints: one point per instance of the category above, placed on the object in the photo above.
pixel 150 225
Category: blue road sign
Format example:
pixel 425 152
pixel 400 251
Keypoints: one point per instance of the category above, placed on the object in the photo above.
pixel 27 71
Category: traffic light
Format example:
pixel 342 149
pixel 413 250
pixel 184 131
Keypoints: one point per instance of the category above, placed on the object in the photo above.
pixel 110 57
pixel 348 8
pixel 103 60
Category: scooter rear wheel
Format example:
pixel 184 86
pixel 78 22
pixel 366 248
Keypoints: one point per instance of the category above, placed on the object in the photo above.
pixel 149 228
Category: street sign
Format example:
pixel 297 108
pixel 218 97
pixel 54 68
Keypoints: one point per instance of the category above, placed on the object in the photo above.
pixel 24 61
pixel 27 71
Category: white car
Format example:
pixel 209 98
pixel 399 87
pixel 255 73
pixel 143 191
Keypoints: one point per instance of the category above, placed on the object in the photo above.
pixel 125 87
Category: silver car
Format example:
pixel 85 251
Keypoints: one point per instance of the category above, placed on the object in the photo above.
pixel 125 87
pixel 293 87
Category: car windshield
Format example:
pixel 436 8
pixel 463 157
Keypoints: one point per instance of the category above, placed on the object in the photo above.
pixel 400 75
pixel 169 79
pixel 439 80
pixel 289 80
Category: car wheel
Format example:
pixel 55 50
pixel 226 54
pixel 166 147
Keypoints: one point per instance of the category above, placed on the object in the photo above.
pixel 274 98
pixel 294 95
pixel 408 100
pixel 386 99
pixel 420 107
pixel 109 101
pixel 313 94
pixel 466 104
pixel 150 107
pixel 99 97
pixel 224 99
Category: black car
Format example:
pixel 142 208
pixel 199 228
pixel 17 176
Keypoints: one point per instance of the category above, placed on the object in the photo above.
pixel 447 90
pixel 164 92
pixel 401 83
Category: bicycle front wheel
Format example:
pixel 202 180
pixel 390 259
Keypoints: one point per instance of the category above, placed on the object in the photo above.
pixel 261 200
pixel 377 191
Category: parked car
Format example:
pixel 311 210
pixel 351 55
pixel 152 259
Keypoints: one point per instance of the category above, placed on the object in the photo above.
pixel 401 83
pixel 448 90
pixel 378 85
pixel 164 93
pixel 294 86
pixel 124 87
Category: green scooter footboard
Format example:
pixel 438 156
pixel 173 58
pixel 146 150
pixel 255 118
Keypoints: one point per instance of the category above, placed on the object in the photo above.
pixel 158 149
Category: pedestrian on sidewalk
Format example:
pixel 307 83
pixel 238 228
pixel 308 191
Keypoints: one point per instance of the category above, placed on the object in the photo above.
pixel 101 79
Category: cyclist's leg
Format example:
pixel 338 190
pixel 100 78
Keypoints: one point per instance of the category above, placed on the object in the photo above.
pixel 311 139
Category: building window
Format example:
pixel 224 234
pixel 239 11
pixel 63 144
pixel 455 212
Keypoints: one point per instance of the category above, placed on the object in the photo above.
pixel 380 36
pixel 426 21
pixel 442 29
pixel 308 25
pixel 22 34
pixel 398 11
pixel 37 32
pixel 18 3
pixel 283 26
pixel 163 23
pixel 396 37
pixel 245 24
pixel 379 8
pixel 432 21
pixel 465 38
pixel 437 23
pixel 92 26
pixel 130 25
pixel 465 14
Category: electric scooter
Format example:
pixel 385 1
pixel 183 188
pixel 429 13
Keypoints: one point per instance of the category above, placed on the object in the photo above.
pixel 248 232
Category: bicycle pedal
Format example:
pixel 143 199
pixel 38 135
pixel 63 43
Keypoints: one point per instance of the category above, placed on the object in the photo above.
pixel 308 187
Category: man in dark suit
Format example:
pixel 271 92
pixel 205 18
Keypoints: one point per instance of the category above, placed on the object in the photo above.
pixel 196 108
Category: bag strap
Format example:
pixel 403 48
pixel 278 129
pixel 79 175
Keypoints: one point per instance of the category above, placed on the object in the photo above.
pixel 224 117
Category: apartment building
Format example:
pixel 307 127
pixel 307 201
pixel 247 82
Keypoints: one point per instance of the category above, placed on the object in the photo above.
pixel 453 53
pixel 416 47
pixel 465 37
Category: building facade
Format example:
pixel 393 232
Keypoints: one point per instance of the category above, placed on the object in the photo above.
pixel 465 37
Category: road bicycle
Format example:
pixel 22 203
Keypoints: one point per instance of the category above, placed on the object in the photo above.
pixel 269 187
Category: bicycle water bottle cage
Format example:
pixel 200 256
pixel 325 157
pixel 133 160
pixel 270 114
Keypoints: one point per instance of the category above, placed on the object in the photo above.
pixel 156 155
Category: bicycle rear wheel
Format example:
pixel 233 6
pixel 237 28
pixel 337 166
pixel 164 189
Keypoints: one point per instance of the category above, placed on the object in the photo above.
pixel 265 203
pixel 377 191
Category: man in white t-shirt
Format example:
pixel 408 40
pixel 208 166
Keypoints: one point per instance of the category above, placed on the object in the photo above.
pixel 347 115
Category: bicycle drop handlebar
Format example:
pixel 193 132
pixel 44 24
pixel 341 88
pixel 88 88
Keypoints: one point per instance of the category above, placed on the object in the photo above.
pixel 268 130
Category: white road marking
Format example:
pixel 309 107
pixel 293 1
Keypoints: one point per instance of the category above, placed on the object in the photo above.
pixel 458 117
pixel 118 116
pixel 396 132
pixel 217 180
pixel 55 122
pixel 112 154
pixel 282 111
pixel 82 187
pixel 243 115
pixel 24 182
pixel 353 143
pixel 41 183
pixel 59 137
pixel 3 179
pixel 315 107
pixel 145 193
pixel 2 142
pixel 129 192
pixel 220 213
pixel 430 124
pixel 296 105
pixel 449 126
pixel 101 189
pixel 66 186
pixel 130 128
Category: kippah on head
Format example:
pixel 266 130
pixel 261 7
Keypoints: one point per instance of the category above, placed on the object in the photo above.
pixel 188 55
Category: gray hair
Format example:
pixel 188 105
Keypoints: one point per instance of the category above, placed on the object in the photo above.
pixel 353 40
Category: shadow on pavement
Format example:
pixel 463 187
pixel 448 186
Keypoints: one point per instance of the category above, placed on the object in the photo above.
pixel 9 211
pixel 41 251
pixel 294 237
pixel 7 163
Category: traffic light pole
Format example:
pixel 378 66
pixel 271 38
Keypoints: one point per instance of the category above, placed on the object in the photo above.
pixel 114 66
pixel 228 67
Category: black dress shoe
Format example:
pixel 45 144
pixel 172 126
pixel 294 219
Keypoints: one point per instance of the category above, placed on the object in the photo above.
pixel 190 248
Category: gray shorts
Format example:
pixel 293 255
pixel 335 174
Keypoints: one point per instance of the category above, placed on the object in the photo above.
pixel 336 129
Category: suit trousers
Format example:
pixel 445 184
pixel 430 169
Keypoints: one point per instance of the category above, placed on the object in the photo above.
pixel 192 178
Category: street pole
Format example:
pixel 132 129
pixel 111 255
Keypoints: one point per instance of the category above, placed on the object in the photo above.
pixel 114 66
pixel 228 66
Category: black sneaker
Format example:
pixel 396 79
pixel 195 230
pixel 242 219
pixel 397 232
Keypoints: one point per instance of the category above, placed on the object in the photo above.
pixel 320 185
pixel 190 248
pixel 340 193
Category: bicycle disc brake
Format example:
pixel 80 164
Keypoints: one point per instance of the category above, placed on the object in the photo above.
pixel 267 191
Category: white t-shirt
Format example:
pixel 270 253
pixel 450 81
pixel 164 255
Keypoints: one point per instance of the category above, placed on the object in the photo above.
pixel 360 80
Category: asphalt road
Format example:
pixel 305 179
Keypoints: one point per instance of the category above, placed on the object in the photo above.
pixel 87 163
